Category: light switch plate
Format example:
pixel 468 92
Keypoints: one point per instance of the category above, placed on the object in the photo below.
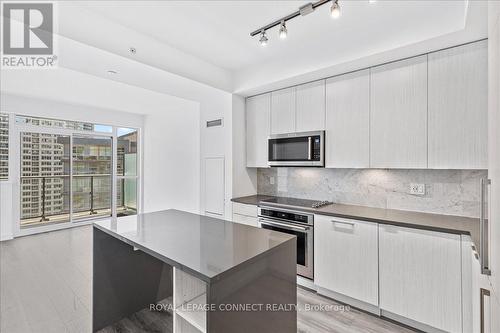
pixel 417 189
pixel 271 180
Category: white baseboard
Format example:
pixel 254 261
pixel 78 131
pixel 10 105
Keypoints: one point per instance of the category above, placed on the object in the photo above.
pixel 349 300
pixel 6 237
pixel 306 283
pixel 410 322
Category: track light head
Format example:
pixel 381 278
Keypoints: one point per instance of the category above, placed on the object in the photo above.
pixel 335 9
pixel 283 31
pixel 263 38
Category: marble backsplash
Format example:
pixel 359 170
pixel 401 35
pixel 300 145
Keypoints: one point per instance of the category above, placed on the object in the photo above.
pixel 450 192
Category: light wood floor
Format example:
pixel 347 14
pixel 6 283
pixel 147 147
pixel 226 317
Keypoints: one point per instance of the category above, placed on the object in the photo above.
pixel 45 286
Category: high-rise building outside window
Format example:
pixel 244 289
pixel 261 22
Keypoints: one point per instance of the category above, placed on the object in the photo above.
pixel 4 146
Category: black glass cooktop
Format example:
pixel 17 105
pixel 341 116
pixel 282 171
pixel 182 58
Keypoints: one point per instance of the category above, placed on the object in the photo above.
pixel 294 202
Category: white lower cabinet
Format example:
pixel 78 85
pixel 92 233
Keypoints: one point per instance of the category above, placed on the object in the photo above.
pixel 346 257
pixel 477 292
pixel 248 220
pixel 245 214
pixel 420 277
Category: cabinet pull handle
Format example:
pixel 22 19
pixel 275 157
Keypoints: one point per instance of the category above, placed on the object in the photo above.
pixel 482 292
pixel 344 222
pixel 483 229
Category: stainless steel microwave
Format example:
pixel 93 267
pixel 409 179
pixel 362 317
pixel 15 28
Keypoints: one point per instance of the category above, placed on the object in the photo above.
pixel 297 149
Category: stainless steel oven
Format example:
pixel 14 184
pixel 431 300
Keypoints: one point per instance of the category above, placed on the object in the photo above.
pixel 295 223
pixel 297 149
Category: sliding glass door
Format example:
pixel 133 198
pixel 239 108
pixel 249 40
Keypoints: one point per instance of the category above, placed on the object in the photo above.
pixel 44 178
pixel 126 172
pixel 92 168
pixel 64 177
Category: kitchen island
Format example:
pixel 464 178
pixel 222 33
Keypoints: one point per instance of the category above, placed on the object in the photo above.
pixel 221 276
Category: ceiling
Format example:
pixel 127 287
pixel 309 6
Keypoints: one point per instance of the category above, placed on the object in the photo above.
pixel 218 31
pixel 209 41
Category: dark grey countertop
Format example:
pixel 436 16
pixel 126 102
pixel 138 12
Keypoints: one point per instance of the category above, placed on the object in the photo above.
pixel 433 222
pixel 200 245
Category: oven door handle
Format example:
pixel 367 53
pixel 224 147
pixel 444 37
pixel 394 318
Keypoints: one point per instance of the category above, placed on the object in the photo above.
pixel 309 149
pixel 283 225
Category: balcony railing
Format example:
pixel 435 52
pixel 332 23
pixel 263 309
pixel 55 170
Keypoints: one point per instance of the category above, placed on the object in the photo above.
pixel 95 208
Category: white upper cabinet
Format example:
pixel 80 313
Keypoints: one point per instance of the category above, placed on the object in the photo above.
pixel 258 126
pixel 398 119
pixel 283 111
pixel 348 121
pixel 458 107
pixel 310 112
pixel 423 112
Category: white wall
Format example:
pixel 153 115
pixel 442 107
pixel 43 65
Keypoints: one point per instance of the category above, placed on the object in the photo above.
pixel 171 143
pixel 6 206
pixel 244 179
pixel 216 141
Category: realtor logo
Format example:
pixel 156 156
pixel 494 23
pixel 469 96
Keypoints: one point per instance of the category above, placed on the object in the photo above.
pixel 28 35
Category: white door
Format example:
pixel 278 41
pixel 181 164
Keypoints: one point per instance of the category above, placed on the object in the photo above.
pixel 348 121
pixel 258 127
pixel 458 107
pixel 311 106
pixel 398 115
pixel 283 111
pixel 420 276
pixel 214 186
pixel 346 257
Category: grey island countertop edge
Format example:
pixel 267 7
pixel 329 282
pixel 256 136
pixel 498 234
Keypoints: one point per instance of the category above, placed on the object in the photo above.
pixel 284 239
pixel 155 254
pixel 416 220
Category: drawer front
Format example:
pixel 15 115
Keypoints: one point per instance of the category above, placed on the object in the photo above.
pixel 346 257
pixel 242 209
pixel 248 220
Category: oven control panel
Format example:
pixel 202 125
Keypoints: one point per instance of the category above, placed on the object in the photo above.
pixel 286 215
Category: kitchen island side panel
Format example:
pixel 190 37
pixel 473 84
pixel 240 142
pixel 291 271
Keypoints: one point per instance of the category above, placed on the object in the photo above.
pixel 265 291
pixel 124 281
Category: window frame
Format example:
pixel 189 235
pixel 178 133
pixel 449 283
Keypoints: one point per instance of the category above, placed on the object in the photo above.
pixel 14 168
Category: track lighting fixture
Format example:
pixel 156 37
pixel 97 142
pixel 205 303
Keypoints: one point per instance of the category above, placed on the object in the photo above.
pixel 335 9
pixel 263 38
pixel 302 11
pixel 283 31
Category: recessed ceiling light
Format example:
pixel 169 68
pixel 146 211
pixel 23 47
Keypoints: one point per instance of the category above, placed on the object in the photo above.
pixel 112 72
pixel 372 1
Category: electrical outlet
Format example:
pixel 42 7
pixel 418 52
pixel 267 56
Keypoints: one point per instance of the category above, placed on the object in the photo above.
pixel 271 180
pixel 417 189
